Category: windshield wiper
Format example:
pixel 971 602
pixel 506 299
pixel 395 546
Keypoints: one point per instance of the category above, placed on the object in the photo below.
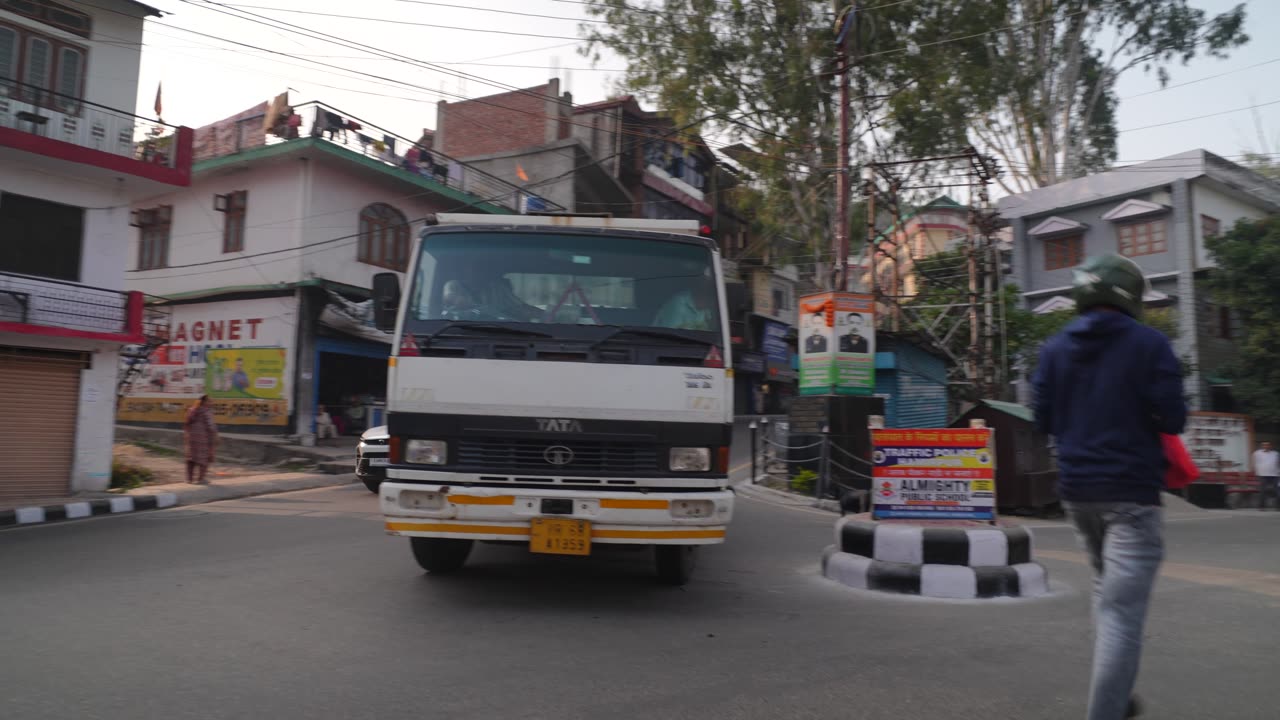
pixel 486 328
pixel 655 333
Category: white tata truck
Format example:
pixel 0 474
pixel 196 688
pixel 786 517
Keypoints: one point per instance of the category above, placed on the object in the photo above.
pixel 560 382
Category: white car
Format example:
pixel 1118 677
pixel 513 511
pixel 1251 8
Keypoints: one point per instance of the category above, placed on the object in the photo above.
pixel 372 457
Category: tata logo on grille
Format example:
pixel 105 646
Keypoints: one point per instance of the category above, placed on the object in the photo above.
pixel 558 455
pixel 560 425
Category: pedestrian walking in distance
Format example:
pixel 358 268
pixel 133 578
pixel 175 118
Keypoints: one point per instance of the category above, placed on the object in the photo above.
pixel 1107 387
pixel 200 433
pixel 1266 467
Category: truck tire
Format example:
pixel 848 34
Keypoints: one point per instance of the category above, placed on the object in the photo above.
pixel 372 483
pixel 439 556
pixel 675 563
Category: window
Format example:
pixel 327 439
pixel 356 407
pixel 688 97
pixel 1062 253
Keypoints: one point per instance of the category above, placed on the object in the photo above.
pixel 1063 252
pixel 781 299
pixel 40 238
pixel 233 206
pixel 70 74
pixel 1142 238
pixel 9 43
pixel 153 236
pixel 574 281
pixel 1210 226
pixel 41 70
pixel 1224 322
pixel 51 13
pixel 384 237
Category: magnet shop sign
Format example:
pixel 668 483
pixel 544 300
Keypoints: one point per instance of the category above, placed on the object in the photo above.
pixel 945 474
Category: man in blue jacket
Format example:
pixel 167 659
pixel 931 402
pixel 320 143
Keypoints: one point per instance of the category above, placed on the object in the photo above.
pixel 1106 387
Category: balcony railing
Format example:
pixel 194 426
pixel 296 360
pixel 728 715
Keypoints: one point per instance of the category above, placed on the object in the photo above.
pixel 332 125
pixel 52 115
pixel 53 307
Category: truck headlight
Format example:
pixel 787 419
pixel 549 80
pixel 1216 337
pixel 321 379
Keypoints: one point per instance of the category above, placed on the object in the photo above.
pixel 688 459
pixel 426 452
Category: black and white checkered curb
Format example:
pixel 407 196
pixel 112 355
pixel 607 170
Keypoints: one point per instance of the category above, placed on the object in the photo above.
pixel 959 582
pixel 86 508
pixel 916 545
pixel 959 563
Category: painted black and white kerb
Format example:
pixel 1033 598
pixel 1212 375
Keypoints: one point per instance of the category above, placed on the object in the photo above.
pixel 916 545
pixel 960 582
pixel 961 563
pixel 37 514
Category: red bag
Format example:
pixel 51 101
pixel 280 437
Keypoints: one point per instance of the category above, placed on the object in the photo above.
pixel 1182 471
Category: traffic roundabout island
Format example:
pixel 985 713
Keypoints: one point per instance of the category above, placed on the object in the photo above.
pixel 955 560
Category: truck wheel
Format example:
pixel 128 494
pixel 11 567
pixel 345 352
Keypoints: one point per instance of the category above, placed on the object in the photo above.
pixel 440 555
pixel 372 483
pixel 675 563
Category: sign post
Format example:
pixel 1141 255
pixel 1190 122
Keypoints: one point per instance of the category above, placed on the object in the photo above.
pixel 942 474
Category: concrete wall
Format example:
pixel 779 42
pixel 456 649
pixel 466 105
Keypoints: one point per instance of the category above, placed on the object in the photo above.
pixel 275 202
pixel 506 121
pixel 292 202
pixel 177 375
pixel 1207 198
pixel 337 194
pixel 599 132
pixel 538 167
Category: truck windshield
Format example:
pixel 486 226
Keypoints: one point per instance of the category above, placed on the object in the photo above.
pixel 566 284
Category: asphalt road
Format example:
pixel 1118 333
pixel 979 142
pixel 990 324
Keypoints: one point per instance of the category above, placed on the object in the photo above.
pixel 297 606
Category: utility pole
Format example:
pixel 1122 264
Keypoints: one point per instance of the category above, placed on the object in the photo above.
pixel 844 37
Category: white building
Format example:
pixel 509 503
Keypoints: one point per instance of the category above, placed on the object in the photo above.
pixel 266 262
pixel 73 158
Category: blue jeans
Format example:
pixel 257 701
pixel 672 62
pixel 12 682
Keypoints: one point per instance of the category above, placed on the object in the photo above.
pixel 1125 546
pixel 1267 487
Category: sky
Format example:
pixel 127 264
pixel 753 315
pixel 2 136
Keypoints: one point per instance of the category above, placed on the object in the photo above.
pixel 207 78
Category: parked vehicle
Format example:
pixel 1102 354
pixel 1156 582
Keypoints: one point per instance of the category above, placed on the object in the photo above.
pixel 372 457
pixel 561 382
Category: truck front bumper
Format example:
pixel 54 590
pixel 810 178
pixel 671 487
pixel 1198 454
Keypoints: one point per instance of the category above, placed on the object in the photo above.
pixel 627 518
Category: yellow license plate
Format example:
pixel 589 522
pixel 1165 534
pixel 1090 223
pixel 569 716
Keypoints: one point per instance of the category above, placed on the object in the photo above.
pixel 560 536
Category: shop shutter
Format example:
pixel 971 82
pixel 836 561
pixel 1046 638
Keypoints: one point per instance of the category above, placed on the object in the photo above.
pixel 39 399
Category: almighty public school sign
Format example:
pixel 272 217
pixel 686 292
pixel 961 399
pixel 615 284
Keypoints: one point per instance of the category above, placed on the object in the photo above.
pixel 933 474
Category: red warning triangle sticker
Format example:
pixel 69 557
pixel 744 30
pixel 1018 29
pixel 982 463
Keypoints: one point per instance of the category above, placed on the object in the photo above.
pixel 409 346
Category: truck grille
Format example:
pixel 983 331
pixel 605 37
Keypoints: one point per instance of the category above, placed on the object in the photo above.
pixel 582 456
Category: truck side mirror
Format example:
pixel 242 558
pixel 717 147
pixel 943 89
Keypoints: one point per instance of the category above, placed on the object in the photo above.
pixel 386 301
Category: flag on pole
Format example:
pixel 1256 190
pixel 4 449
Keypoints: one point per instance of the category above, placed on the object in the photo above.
pixel 159 107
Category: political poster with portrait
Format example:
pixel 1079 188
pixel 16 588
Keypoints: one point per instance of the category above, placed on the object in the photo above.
pixel 855 343
pixel 946 474
pixel 837 344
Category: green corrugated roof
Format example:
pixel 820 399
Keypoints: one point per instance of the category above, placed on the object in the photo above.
pixel 1022 412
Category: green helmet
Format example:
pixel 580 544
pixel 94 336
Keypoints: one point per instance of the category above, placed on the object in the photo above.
pixel 1112 280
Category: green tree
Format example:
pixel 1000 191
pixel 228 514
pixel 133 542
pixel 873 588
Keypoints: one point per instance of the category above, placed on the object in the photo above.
pixel 1032 81
pixel 1245 279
